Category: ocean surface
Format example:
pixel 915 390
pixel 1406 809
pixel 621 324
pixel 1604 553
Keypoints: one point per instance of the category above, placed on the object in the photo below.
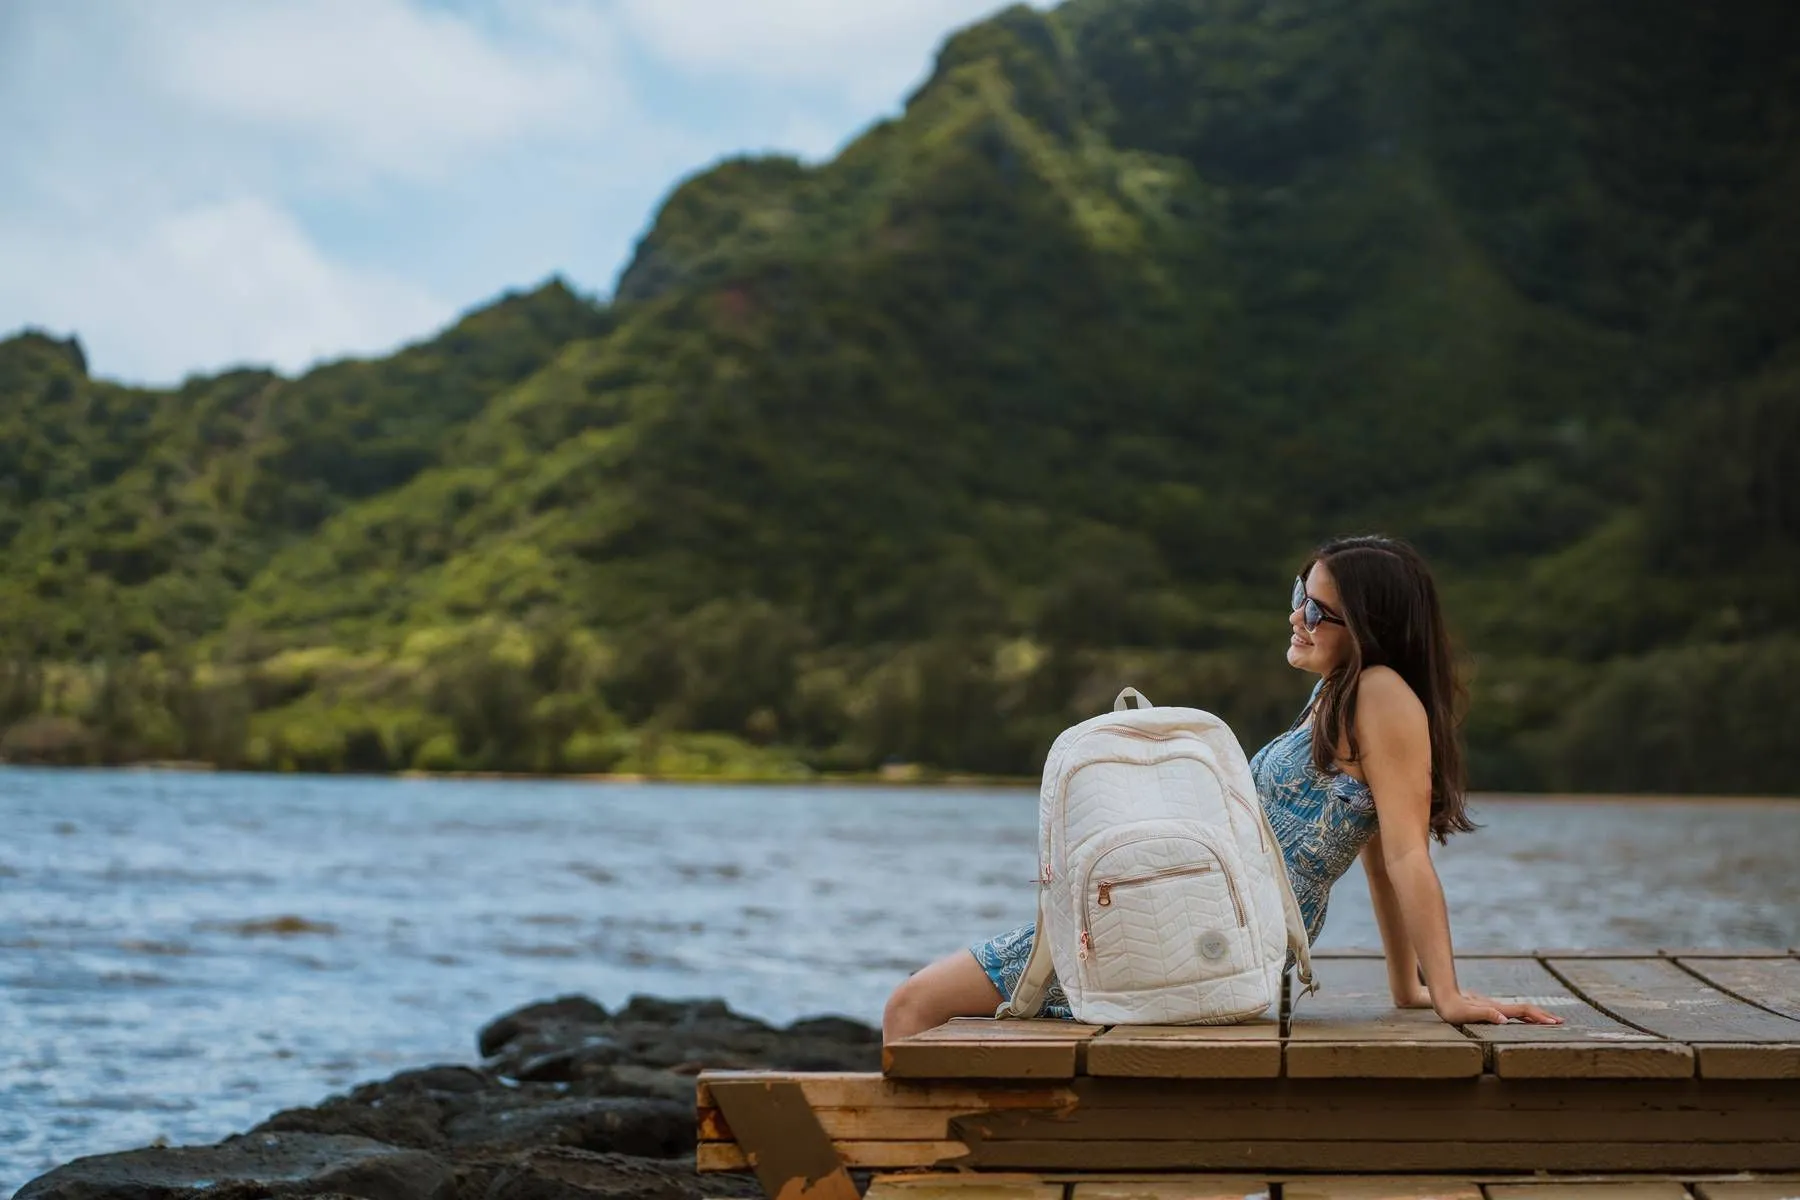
pixel 183 954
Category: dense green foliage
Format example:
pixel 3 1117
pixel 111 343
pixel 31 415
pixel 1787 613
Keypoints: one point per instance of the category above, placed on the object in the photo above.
pixel 1039 389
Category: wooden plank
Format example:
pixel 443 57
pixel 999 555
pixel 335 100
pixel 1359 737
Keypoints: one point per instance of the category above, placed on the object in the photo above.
pixel 1658 996
pixel 782 1142
pixel 1386 1157
pixel 1348 952
pixel 1649 1189
pixel 1350 1028
pixel 729 1156
pixel 1380 1187
pixel 1759 1060
pixel 855 1124
pixel 1251 1050
pixel 1771 983
pixel 852 1089
pixel 1775 1180
pixel 1712 1123
pixel 957 1028
pixel 1190 1187
pixel 1593 952
pixel 1588 1045
pixel 952 1187
pixel 853 1107
pixel 1460 1115
pixel 1731 1039
pixel 1383 1157
pixel 1748 1189
pixel 985 1048
pixel 1725 952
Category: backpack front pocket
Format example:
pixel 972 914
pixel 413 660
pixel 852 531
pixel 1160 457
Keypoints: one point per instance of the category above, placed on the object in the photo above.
pixel 1158 909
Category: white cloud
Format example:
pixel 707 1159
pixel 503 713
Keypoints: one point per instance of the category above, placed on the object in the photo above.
pixel 233 282
pixel 867 50
pixel 190 185
pixel 397 87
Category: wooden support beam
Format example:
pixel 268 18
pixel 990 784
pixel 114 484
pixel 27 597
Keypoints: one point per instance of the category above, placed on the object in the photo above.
pixel 781 1141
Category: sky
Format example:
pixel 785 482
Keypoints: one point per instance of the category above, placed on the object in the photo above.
pixel 187 185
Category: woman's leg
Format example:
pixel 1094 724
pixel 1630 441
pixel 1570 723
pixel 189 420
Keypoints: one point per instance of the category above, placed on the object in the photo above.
pixel 954 986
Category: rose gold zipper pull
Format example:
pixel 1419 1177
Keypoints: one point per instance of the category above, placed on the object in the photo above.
pixel 1087 946
pixel 1106 888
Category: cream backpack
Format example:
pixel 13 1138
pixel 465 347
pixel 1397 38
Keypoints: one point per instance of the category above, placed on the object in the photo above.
pixel 1163 897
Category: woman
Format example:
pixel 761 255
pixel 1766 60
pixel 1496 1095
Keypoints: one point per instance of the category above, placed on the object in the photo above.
pixel 1372 767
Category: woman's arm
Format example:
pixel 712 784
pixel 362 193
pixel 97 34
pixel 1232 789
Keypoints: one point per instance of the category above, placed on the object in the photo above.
pixel 1402 962
pixel 1394 738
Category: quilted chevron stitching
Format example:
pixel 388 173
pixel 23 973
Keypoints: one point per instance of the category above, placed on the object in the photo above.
pixel 1161 940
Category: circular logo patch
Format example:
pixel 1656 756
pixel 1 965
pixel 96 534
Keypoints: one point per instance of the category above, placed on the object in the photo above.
pixel 1213 945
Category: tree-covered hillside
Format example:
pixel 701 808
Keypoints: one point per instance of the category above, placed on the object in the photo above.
pixel 1041 388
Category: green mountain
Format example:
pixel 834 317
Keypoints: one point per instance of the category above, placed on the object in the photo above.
pixel 1041 388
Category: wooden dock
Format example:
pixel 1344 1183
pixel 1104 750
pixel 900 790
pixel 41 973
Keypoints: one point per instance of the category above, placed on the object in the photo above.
pixel 1674 1073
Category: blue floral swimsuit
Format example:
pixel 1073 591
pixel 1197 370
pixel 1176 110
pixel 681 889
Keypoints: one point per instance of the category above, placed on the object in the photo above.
pixel 1322 822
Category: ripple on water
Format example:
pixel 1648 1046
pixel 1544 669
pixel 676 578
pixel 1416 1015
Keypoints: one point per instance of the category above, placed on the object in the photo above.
pixel 599 875
pixel 125 874
pixel 282 926
pixel 539 950
pixel 155 948
pixel 128 1102
pixel 697 871
pixel 134 979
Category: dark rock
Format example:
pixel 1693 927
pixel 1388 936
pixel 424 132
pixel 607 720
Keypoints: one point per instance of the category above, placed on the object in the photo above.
pixel 564 1010
pixel 415 1121
pixel 439 1080
pixel 629 1079
pixel 626 1125
pixel 835 1029
pixel 565 1041
pixel 564 1174
pixel 573 1101
pixel 563 1066
pixel 556 1053
pixel 654 1010
pixel 268 1164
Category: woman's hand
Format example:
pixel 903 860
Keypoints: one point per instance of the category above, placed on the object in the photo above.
pixel 1471 1009
pixel 1419 997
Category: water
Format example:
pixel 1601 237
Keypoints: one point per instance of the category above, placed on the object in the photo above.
pixel 144 991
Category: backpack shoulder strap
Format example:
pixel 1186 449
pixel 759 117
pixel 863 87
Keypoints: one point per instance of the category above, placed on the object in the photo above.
pixel 1297 940
pixel 1028 995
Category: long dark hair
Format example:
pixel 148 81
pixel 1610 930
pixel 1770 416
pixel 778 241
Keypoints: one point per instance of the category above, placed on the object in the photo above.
pixel 1390 606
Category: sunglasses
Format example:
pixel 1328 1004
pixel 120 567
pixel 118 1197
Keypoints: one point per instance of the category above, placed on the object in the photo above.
pixel 1312 613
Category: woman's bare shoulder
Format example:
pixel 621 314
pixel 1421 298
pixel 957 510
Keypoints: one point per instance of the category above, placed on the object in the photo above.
pixel 1385 701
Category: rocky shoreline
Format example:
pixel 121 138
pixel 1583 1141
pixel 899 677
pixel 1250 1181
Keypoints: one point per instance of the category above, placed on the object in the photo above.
pixel 570 1101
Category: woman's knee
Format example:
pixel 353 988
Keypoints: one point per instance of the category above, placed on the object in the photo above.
pixel 956 986
pixel 903 1011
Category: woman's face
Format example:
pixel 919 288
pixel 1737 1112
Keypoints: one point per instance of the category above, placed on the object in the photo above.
pixel 1325 647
